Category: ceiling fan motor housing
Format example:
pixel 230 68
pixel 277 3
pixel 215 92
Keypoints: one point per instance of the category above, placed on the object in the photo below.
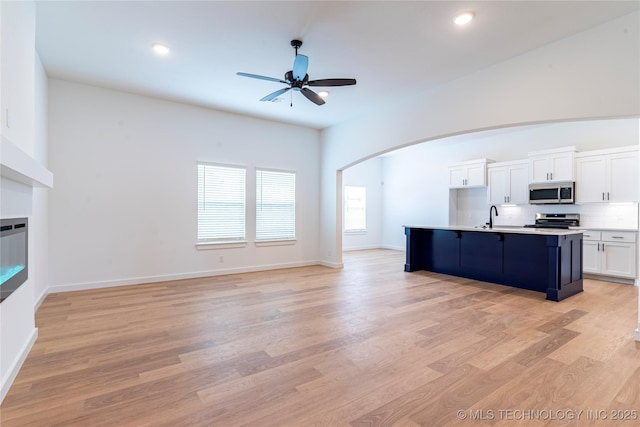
pixel 295 83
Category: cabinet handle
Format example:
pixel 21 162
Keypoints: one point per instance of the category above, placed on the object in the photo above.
pixel 603 195
pixel 551 175
pixel 603 247
pixel 509 199
pixel 607 195
pixel 617 237
pixel 547 176
pixel 598 247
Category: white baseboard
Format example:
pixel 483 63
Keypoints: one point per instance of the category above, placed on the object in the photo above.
pixel 171 277
pixel 17 364
pixel 360 248
pixel 364 248
pixel 395 248
pixel 638 333
pixel 331 264
pixel 40 299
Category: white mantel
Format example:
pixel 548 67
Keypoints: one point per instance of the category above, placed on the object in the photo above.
pixel 18 166
pixel 20 174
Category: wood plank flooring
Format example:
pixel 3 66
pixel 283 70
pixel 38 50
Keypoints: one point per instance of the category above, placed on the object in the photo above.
pixel 369 345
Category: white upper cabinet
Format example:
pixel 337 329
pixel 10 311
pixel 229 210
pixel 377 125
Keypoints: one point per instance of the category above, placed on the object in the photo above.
pixel 508 183
pixel 607 175
pixel 552 165
pixel 468 174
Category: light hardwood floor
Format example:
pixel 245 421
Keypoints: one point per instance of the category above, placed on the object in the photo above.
pixel 368 345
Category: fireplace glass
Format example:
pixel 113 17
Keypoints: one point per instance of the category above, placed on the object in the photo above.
pixel 13 255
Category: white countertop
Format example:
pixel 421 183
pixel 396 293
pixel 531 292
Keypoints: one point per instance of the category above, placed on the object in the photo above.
pixel 500 229
pixel 582 228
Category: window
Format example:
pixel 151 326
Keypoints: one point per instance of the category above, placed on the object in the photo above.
pixel 355 208
pixel 221 203
pixel 275 205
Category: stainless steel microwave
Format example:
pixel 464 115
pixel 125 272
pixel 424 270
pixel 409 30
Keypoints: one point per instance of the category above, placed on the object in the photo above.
pixel 552 193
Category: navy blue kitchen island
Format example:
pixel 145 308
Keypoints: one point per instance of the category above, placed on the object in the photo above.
pixel 543 260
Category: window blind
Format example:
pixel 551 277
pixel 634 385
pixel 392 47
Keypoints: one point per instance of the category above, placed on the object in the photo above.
pixel 275 205
pixel 355 208
pixel 221 203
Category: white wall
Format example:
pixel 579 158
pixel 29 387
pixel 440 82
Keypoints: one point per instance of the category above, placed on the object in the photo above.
pixel 593 74
pixel 18 88
pixel 39 221
pixel 416 178
pixel 124 205
pixel 367 174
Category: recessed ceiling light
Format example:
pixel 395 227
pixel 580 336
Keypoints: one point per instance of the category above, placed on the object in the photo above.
pixel 160 49
pixel 323 94
pixel 464 18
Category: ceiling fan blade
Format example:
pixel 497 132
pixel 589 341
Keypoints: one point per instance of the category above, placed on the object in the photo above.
pixel 332 82
pixel 300 66
pixel 312 96
pixel 256 76
pixel 275 94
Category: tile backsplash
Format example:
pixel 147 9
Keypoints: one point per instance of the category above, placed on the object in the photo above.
pixel 472 209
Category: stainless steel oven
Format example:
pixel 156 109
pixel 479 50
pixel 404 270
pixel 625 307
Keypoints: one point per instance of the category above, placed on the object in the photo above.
pixel 556 220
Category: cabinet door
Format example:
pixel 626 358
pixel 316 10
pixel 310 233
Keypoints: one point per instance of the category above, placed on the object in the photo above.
pixel 444 253
pixel 518 184
pixel 481 255
pixel 457 177
pixel 622 177
pixel 619 259
pixel 525 261
pixel 498 190
pixel 476 175
pixel 590 181
pixel 590 256
pixel 561 166
pixel 538 169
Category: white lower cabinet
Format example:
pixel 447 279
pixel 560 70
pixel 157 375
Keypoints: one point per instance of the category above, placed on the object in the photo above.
pixel 609 253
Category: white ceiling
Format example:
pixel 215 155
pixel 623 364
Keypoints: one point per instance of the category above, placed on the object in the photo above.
pixel 394 49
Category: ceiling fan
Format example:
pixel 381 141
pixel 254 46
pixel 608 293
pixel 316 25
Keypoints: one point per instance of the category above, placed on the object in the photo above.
pixel 298 79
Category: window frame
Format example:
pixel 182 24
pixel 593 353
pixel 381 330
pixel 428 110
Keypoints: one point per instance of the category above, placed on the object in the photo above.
pixel 276 241
pixel 222 242
pixel 346 209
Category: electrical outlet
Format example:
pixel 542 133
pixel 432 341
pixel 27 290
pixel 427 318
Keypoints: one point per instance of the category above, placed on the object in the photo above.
pixel 221 259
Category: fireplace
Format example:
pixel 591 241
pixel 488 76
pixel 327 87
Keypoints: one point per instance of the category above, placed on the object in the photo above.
pixel 13 255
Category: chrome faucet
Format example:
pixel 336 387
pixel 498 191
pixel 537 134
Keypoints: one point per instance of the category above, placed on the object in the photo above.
pixel 491 209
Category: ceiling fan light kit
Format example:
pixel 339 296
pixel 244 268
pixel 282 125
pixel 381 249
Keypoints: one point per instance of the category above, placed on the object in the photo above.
pixel 297 79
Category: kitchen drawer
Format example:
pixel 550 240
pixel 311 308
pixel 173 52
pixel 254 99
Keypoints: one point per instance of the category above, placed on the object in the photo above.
pixel 591 235
pixel 618 236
